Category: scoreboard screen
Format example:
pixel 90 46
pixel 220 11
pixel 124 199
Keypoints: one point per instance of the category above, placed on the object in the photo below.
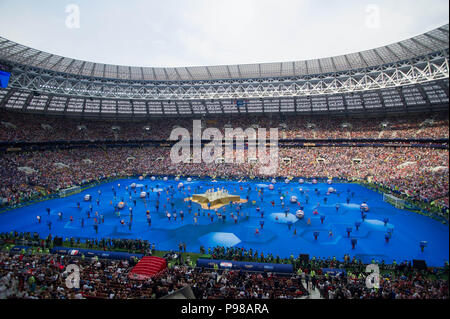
pixel 4 78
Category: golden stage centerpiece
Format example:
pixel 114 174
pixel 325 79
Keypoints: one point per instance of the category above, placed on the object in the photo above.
pixel 217 198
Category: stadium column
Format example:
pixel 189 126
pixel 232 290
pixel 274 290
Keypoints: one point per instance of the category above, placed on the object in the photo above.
pixel 380 96
pixel 50 98
pixel 295 105
pixel 443 86
pixel 176 107
pixel 402 99
pixel 162 108
pixel 310 103
pixel 83 108
pixel 362 102
pixel 117 108
pixel 237 107
pixel 27 101
pixel 7 97
pixel 66 105
pixel 146 107
pixel 424 95
pixel 221 107
pixel 206 108
pixel 190 106
pixel 328 104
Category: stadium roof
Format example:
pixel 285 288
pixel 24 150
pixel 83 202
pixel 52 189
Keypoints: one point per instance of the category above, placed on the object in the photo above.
pixel 421 45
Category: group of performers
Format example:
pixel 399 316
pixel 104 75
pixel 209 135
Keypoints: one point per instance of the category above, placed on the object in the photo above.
pixel 165 201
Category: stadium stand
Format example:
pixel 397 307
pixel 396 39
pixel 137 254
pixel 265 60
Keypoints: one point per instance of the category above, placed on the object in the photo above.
pixel 377 117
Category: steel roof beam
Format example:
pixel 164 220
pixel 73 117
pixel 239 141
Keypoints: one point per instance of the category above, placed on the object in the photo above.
pixel 333 64
pixel 10 46
pixel 43 61
pixel 320 66
pixel 364 60
pixel 229 73
pixel 404 47
pixel 209 73
pixel 421 44
pixel 189 73
pixel 392 52
pixel 382 60
pixel 348 62
pixel 178 74
pixel 436 39
pixel 11 55
pixel 57 62
pixel 69 65
pixel 166 74
pixel 81 68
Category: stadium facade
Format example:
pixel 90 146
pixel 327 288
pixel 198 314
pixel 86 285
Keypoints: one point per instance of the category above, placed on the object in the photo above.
pixel 408 76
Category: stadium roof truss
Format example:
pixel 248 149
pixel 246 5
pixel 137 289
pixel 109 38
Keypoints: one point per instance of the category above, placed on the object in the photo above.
pixel 125 89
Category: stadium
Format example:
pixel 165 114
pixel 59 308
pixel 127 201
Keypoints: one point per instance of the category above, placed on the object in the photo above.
pixel 355 186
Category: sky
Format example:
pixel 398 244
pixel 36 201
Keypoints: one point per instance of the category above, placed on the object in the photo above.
pixel 170 33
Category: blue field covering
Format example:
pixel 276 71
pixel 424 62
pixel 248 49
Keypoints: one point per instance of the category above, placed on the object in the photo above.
pixel 281 234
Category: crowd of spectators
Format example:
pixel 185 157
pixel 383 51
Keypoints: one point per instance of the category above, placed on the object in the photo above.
pixel 16 127
pixel 31 275
pixel 42 276
pixel 410 285
pixel 419 173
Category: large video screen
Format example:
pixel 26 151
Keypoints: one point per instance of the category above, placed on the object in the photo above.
pixel 4 78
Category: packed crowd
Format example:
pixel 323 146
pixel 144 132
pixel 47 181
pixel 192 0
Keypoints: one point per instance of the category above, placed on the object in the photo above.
pixel 23 128
pixel 419 173
pixel 42 276
pixel 410 285
pixel 397 281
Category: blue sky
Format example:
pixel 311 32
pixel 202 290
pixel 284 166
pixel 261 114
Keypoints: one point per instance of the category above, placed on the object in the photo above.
pixel 211 32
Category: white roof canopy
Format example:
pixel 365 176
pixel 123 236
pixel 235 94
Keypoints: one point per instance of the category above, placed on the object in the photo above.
pixel 432 41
